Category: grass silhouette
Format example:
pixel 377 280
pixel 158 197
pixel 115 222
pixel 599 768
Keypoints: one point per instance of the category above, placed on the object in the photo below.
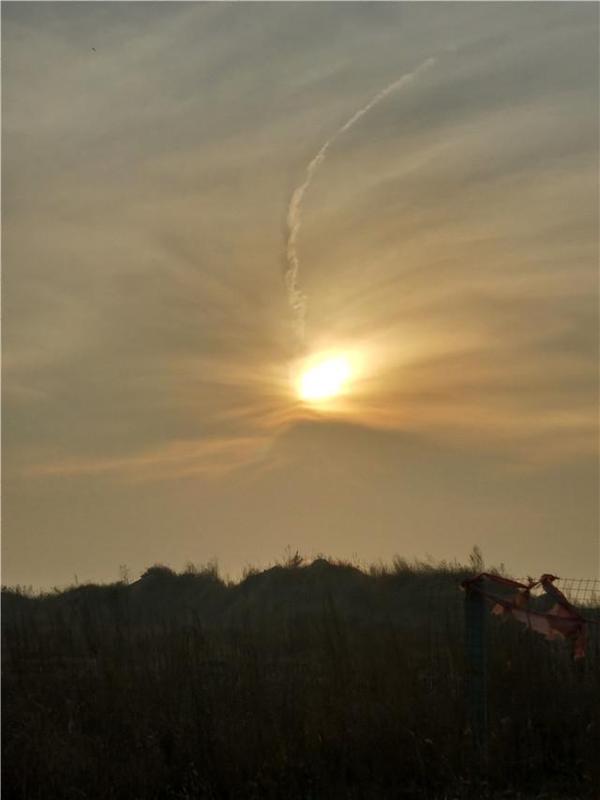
pixel 316 680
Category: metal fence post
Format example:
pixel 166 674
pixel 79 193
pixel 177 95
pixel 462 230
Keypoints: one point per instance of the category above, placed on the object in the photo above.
pixel 476 667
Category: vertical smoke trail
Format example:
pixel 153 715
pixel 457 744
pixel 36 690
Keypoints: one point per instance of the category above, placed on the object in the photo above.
pixel 296 297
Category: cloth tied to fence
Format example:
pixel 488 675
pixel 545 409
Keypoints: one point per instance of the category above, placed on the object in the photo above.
pixel 549 614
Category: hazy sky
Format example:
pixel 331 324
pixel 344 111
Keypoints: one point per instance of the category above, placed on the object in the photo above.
pixel 449 240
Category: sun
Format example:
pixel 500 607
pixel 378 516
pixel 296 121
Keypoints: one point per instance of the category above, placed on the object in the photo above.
pixel 324 380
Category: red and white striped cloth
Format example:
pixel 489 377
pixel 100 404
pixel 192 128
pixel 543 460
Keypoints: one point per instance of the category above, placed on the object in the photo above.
pixel 512 598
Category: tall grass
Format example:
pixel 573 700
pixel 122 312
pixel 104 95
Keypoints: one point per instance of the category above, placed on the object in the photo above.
pixel 303 681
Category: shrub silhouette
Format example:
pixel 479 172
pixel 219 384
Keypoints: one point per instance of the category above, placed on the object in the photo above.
pixel 302 680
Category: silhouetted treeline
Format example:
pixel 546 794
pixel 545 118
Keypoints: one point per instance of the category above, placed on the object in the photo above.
pixel 301 681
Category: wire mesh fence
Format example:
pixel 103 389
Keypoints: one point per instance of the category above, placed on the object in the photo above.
pixel 581 592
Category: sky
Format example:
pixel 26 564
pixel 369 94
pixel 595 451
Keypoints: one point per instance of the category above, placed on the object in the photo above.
pixel 447 242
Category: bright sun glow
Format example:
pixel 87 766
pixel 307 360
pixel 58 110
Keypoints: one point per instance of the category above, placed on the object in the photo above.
pixel 324 380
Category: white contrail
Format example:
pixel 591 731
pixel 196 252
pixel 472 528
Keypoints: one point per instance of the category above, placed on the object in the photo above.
pixel 296 297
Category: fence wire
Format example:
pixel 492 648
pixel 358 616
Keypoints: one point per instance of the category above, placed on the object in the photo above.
pixel 581 592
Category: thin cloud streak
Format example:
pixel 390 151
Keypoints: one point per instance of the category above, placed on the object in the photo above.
pixel 296 297
pixel 205 458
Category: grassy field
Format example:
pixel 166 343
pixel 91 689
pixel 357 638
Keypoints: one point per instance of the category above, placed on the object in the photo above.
pixel 301 681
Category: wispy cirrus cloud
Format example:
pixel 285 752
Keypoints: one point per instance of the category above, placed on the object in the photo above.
pixel 204 458
pixel 450 238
